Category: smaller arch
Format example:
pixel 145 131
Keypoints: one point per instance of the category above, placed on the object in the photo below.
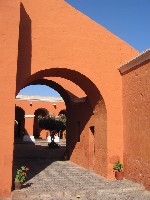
pixel 38 112
pixel 63 112
pixel 63 93
pixel 86 84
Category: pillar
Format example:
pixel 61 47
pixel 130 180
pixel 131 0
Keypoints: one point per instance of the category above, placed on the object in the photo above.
pixel 9 32
pixel 29 122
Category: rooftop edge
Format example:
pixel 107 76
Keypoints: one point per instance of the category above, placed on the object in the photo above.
pixel 140 58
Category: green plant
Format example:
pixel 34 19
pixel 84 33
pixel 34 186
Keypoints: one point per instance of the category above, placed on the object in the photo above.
pixel 118 167
pixel 21 174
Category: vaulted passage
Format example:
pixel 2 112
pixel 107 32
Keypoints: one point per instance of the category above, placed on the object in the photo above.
pixel 83 111
pixel 53 44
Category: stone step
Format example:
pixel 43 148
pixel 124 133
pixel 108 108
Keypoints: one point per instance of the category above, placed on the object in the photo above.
pixel 73 192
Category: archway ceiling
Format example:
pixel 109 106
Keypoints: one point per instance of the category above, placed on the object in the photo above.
pixel 66 95
pixel 90 89
pixel 69 86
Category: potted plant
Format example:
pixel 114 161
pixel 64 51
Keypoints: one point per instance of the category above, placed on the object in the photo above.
pixel 118 168
pixel 20 176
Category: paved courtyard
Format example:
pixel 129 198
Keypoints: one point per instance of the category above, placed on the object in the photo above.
pixel 52 178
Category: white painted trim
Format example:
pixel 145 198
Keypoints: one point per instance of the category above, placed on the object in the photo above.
pixel 135 61
pixel 39 98
pixel 29 116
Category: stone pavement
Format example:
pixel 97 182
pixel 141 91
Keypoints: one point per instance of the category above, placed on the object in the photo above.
pixel 52 178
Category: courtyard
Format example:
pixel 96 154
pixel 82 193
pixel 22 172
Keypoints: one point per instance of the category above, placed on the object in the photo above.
pixel 50 177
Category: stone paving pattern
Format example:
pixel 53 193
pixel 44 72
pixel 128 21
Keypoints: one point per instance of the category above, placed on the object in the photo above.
pixel 52 178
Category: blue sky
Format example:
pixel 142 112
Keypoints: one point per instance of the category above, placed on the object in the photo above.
pixel 128 19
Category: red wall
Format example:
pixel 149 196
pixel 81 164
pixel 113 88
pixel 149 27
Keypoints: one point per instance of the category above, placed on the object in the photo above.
pixel 69 44
pixel 136 114
pixel 9 33
pixel 55 40
pixel 29 110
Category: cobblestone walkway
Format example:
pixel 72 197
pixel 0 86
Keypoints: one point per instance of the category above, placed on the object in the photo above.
pixel 52 178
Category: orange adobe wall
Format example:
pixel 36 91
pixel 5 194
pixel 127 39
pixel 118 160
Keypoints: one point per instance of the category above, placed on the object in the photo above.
pixel 9 33
pixel 136 119
pixel 72 46
pixel 47 40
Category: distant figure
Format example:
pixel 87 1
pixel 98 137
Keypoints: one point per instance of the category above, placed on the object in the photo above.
pixel 53 144
pixel 52 136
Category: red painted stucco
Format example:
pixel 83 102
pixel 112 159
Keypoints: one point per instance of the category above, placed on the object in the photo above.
pixel 9 33
pixel 49 42
pixel 136 114
pixel 83 52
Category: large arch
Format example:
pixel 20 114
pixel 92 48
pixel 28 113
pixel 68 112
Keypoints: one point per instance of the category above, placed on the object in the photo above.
pixel 79 79
pixel 94 114
pixel 70 46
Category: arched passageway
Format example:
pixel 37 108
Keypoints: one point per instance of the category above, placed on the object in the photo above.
pixel 85 147
pixel 80 51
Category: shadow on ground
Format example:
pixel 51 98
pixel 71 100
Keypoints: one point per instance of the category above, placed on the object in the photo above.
pixel 35 157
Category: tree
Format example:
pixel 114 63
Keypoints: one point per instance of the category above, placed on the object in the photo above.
pixel 52 123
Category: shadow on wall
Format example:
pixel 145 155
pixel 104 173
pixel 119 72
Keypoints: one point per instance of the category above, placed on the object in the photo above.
pixel 24 47
pixel 20 133
pixel 19 122
pixel 79 136
pixel 23 136
pixel 81 115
